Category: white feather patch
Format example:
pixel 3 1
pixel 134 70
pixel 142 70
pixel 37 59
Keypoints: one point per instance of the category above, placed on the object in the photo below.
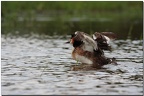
pixel 108 39
pixel 87 47
pixel 76 32
pixel 83 59
pixel 94 37
pixel 90 42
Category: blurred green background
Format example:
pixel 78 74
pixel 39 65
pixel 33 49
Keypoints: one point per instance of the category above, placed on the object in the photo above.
pixel 125 18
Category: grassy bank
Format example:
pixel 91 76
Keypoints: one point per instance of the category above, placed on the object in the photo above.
pixel 18 6
pixel 78 8
pixel 68 16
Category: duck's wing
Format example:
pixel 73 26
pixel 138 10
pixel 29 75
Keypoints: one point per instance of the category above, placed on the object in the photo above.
pixel 103 39
pixel 110 35
pixel 89 41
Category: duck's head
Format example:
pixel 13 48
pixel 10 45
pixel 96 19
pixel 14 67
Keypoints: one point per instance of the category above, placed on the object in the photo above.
pixel 76 39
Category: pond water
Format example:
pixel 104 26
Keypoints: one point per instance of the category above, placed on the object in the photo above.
pixel 49 25
pixel 42 66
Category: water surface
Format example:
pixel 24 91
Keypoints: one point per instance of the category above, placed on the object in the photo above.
pixel 37 66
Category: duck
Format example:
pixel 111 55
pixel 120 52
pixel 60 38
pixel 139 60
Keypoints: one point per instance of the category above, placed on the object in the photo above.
pixel 104 39
pixel 90 50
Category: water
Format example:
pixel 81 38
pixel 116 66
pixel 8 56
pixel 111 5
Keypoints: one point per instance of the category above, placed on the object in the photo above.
pixel 38 66
pixel 49 25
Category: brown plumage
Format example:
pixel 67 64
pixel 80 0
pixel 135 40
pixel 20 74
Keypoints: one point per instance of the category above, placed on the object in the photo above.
pixel 97 60
pixel 88 50
pixel 103 39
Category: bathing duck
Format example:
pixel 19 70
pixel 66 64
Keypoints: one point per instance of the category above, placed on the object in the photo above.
pixel 89 50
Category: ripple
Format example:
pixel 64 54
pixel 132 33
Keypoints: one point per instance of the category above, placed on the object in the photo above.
pixel 32 66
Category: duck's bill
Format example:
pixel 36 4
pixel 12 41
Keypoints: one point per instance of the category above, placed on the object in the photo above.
pixel 67 42
pixel 71 41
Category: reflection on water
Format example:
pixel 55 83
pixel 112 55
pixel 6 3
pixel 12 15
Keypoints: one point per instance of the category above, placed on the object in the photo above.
pixel 43 66
pixel 62 25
